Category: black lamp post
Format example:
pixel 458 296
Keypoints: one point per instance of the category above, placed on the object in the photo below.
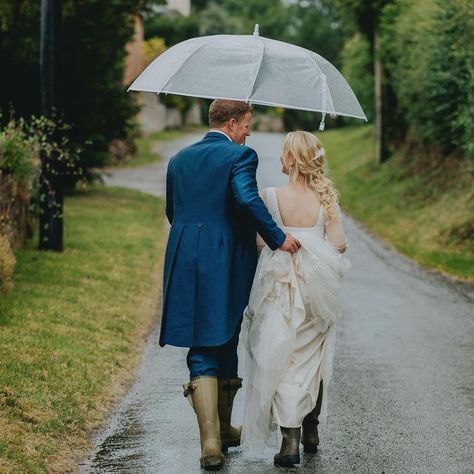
pixel 51 186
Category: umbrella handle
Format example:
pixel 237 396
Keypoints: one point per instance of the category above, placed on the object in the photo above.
pixel 322 124
pixel 323 101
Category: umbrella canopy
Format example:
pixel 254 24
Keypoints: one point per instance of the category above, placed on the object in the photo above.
pixel 253 69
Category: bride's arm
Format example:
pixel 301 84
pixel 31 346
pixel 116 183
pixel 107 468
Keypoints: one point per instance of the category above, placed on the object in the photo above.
pixel 335 231
pixel 260 242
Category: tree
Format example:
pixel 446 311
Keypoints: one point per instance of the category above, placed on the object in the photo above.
pixel 316 25
pixel 19 56
pixel 428 50
pixel 172 28
pixel 365 15
pixel 357 68
pixel 94 98
pixel 92 55
pixel 215 20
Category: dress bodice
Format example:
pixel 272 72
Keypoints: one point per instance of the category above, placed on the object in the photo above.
pixel 272 203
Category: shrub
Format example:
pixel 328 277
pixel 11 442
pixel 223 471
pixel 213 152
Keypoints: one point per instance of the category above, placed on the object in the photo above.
pixel 7 265
pixel 22 143
pixel 153 47
pixel 19 151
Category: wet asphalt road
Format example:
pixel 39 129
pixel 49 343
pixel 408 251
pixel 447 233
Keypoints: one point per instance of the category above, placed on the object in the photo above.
pixel 401 399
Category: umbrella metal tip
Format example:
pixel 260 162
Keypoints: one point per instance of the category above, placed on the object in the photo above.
pixel 255 31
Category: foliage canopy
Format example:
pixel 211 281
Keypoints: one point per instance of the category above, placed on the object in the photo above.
pixel 91 95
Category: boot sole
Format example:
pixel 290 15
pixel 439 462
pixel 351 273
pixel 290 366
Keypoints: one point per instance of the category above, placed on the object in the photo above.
pixel 287 461
pixel 230 444
pixel 310 448
pixel 212 463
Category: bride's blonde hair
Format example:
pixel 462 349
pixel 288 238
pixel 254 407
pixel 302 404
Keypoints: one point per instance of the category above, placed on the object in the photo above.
pixel 310 162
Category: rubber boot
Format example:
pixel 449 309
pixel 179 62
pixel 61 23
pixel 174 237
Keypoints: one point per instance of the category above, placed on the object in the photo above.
pixel 230 435
pixel 202 394
pixel 289 454
pixel 310 437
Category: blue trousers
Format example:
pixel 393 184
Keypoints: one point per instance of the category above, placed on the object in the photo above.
pixel 220 361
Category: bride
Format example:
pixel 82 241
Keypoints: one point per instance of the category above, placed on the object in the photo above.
pixel 289 324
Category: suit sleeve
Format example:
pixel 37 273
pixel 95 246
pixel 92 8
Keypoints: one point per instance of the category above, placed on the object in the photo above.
pixel 245 191
pixel 169 208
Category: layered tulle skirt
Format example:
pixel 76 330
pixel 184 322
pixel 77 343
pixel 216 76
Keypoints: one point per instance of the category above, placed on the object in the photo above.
pixel 288 332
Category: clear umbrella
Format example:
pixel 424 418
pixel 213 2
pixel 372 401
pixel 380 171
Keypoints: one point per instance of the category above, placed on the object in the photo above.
pixel 253 69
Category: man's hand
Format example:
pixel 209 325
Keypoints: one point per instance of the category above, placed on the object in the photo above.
pixel 290 244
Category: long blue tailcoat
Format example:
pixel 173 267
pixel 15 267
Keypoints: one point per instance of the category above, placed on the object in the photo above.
pixel 214 209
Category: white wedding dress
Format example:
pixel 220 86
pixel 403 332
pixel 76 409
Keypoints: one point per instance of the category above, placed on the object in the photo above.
pixel 288 329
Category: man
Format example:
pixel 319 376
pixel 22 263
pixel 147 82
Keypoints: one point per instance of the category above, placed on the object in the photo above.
pixel 213 205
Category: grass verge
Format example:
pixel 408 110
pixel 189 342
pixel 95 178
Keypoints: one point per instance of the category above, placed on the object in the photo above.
pixel 72 329
pixel 424 213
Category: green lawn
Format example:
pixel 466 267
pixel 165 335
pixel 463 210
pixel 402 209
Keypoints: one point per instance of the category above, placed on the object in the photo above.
pixel 425 215
pixel 72 329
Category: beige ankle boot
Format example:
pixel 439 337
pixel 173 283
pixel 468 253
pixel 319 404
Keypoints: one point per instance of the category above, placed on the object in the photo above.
pixel 289 454
pixel 230 435
pixel 202 394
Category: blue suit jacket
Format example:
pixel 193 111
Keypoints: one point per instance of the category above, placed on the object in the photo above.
pixel 214 209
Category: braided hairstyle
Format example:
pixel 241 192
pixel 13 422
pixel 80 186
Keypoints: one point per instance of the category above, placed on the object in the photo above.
pixel 310 161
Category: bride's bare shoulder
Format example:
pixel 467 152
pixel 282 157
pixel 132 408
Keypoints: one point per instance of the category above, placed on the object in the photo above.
pixel 281 189
pixel 266 190
pixel 287 192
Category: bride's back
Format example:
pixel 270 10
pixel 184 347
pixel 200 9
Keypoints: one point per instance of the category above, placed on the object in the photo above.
pixel 299 207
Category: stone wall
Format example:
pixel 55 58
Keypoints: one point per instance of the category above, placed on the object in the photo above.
pixel 155 117
pixel 268 123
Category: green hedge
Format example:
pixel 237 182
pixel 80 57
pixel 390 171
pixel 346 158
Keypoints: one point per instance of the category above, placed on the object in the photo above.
pixel 429 54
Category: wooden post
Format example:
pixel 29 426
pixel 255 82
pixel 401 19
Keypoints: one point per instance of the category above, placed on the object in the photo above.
pixel 51 186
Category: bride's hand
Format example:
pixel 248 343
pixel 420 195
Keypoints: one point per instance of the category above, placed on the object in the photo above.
pixel 290 244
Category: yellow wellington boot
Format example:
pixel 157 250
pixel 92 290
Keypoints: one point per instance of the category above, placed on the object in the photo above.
pixel 230 435
pixel 202 394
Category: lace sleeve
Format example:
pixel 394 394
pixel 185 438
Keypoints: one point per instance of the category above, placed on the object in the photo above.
pixel 335 231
